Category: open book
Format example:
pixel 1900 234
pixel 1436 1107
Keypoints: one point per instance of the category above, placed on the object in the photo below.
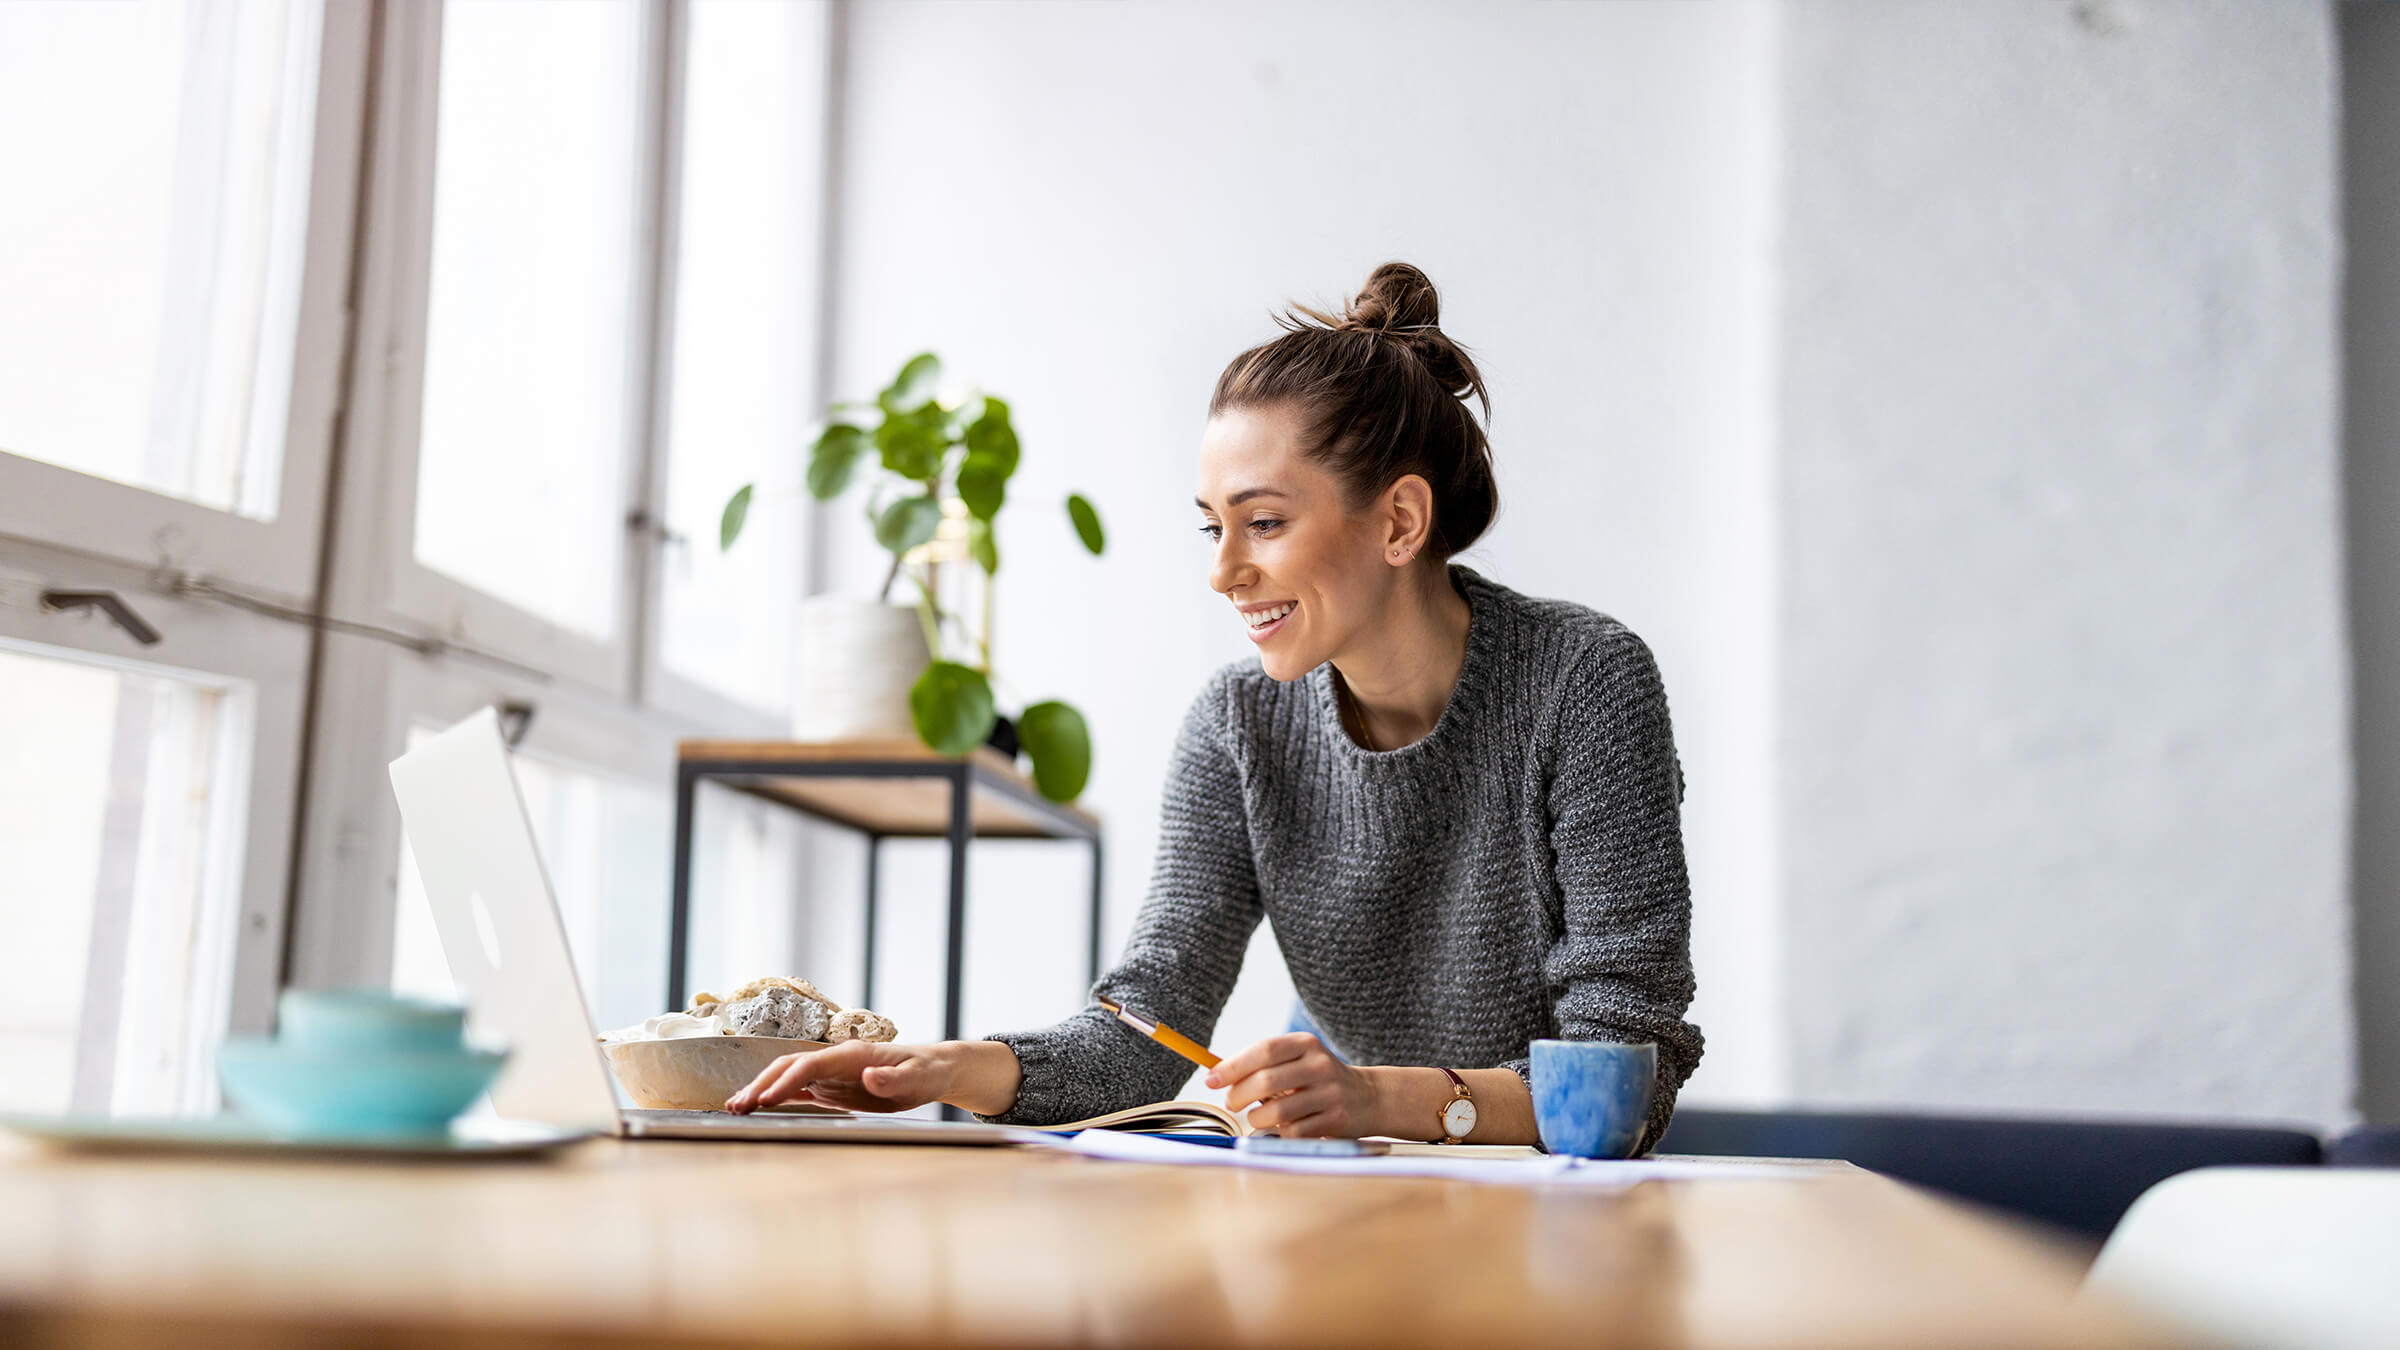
pixel 1162 1118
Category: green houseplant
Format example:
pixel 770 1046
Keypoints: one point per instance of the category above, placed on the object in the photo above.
pixel 941 464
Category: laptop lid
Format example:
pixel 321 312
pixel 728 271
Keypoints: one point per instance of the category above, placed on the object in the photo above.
pixel 466 823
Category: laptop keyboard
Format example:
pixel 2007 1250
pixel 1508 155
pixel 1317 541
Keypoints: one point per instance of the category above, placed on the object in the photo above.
pixel 696 1117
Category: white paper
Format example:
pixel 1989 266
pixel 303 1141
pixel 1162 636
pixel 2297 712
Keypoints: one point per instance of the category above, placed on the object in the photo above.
pixel 1538 1170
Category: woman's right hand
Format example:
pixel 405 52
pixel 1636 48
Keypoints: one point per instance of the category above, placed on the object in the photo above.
pixel 882 1076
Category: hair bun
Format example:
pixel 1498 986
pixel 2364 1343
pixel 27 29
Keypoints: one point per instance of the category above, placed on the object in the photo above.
pixel 1397 296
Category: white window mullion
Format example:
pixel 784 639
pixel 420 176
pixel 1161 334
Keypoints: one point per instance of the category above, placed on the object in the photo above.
pixel 651 355
pixel 197 195
pixel 343 889
pixel 112 905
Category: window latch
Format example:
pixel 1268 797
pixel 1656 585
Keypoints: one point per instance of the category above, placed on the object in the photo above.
pixel 647 526
pixel 108 603
pixel 516 717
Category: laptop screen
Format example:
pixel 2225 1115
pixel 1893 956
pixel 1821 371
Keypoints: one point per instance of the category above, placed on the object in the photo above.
pixel 500 927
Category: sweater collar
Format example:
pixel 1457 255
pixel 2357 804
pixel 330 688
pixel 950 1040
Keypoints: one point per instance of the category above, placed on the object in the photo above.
pixel 1466 697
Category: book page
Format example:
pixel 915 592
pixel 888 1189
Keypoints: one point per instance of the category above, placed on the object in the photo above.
pixel 1523 1169
pixel 1175 1117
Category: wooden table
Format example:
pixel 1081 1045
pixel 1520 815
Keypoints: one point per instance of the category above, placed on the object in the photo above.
pixel 883 789
pixel 691 1244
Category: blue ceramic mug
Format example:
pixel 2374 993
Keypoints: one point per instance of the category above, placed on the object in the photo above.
pixel 1591 1098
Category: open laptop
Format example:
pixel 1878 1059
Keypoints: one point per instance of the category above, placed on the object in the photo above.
pixel 507 946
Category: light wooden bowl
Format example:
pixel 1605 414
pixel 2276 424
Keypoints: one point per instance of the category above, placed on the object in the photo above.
pixel 695 1073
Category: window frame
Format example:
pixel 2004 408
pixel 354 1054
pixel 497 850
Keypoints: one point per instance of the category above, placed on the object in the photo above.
pixel 82 514
pixel 319 831
pixel 393 322
pixel 268 662
pixel 61 528
pixel 608 707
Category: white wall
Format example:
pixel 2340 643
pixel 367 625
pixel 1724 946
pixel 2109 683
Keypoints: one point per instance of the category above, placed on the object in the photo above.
pixel 1945 391
pixel 2371 300
pixel 2066 762
pixel 1090 209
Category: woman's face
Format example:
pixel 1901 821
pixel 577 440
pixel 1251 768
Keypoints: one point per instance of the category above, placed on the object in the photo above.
pixel 1284 545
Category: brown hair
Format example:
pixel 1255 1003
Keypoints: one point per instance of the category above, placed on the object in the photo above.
pixel 1380 392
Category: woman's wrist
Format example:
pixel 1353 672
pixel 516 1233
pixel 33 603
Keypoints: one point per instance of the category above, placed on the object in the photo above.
pixel 1405 1100
pixel 1408 1104
pixel 984 1076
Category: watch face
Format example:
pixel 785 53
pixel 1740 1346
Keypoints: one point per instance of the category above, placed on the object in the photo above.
pixel 1458 1117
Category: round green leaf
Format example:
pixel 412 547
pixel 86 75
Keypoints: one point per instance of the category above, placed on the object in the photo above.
pixel 834 459
pixel 1087 522
pixel 982 485
pixel 912 445
pixel 915 383
pixel 737 511
pixel 952 706
pixel 907 523
pixel 981 545
pixel 1056 739
pixel 993 437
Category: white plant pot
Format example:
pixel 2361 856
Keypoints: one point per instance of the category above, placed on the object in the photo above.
pixel 856 661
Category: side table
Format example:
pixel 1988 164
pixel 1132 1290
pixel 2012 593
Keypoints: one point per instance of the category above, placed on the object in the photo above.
pixel 884 789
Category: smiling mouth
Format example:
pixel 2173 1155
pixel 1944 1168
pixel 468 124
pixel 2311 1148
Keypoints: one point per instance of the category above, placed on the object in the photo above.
pixel 1260 632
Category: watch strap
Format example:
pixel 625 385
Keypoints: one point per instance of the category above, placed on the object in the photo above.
pixel 1458 1092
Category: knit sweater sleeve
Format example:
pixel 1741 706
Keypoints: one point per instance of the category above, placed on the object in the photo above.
pixel 1185 951
pixel 1621 968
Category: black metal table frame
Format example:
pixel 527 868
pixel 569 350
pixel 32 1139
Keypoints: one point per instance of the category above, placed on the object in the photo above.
pixel 750 777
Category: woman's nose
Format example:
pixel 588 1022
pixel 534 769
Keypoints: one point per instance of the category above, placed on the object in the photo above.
pixel 1226 569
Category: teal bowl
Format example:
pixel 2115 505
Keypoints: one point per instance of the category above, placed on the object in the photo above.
pixel 306 1091
pixel 367 1019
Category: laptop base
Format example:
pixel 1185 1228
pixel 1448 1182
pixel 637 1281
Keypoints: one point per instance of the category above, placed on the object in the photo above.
pixel 822 1129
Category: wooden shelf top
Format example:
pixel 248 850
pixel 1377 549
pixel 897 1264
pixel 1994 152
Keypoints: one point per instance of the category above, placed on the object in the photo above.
pixel 909 807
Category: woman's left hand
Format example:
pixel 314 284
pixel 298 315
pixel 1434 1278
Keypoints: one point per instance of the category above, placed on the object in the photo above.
pixel 1297 1089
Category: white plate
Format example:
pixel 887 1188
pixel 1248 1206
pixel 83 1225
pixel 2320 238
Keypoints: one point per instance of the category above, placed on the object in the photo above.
pixel 240 1134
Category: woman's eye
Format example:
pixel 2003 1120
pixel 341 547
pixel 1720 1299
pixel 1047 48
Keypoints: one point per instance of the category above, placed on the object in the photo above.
pixel 1261 526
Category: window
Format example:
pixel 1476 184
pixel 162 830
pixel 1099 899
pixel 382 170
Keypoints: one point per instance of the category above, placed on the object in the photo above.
pixel 522 445
pixel 172 262
pixel 616 208
pixel 119 797
pixel 743 341
pixel 152 253
pixel 189 227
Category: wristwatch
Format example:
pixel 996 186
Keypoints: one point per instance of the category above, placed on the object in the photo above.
pixel 1458 1113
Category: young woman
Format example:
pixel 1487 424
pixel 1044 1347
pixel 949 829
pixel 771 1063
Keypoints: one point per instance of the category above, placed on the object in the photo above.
pixel 1458 806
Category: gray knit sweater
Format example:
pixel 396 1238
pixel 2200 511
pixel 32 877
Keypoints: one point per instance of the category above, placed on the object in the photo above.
pixel 1516 874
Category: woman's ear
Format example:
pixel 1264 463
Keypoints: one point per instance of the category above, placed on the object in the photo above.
pixel 1408 509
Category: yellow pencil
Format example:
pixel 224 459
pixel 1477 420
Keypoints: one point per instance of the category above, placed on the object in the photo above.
pixel 1165 1035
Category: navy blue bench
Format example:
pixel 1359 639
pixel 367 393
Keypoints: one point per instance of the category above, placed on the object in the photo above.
pixel 2079 1175
pixel 2366 1146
